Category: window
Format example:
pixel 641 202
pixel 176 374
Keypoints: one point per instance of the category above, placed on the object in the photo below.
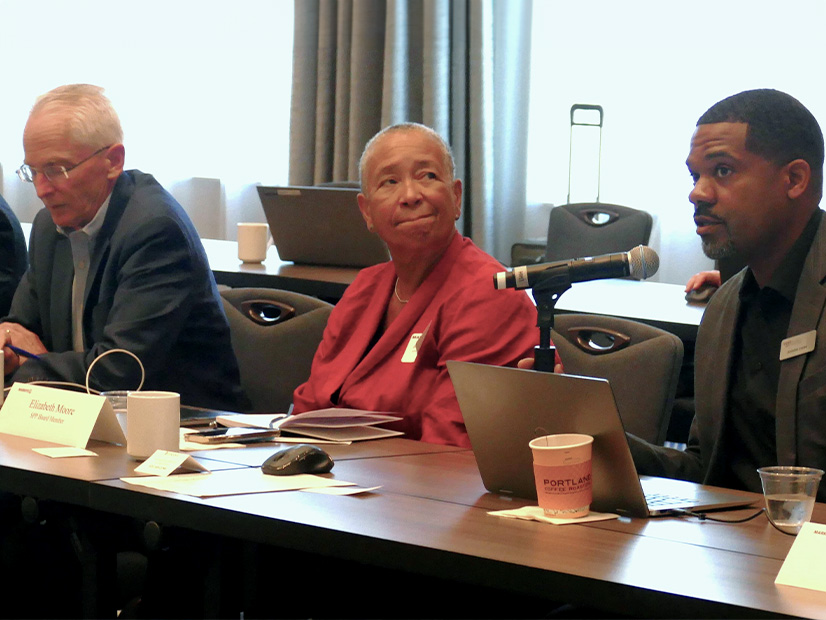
pixel 655 67
pixel 202 87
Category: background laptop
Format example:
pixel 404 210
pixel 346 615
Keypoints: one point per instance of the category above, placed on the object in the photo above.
pixel 504 408
pixel 320 226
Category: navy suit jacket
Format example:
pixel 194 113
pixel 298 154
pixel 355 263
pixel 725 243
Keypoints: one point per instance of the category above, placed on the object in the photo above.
pixel 149 291
pixel 13 257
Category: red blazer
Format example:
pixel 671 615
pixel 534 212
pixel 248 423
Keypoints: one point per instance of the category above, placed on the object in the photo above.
pixel 459 316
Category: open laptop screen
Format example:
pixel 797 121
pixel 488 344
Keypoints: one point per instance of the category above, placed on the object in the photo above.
pixel 505 408
pixel 320 226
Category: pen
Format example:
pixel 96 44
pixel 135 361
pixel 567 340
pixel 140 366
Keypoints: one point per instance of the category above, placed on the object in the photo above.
pixel 22 352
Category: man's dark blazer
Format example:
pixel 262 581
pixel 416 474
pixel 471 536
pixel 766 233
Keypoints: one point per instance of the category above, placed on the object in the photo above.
pixel 149 291
pixel 801 392
pixel 13 255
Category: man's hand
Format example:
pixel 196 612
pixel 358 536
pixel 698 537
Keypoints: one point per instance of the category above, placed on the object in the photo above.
pixel 16 334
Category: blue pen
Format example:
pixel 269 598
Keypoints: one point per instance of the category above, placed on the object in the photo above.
pixel 22 352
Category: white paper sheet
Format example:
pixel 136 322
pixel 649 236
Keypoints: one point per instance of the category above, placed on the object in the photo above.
pixel 803 566
pixel 233 482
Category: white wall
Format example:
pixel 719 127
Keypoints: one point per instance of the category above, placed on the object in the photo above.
pixel 656 66
pixel 202 88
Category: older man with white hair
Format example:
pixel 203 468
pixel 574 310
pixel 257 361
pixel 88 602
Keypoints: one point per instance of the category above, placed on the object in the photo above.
pixel 115 263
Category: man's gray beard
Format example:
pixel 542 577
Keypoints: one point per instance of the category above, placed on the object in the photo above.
pixel 718 251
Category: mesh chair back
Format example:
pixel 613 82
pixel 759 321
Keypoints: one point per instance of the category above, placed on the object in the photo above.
pixel 641 362
pixel 591 229
pixel 275 335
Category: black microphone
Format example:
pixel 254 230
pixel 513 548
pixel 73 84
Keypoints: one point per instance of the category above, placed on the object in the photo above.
pixel 640 262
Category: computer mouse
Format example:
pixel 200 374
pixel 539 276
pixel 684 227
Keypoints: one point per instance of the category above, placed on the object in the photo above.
pixel 299 459
pixel 701 294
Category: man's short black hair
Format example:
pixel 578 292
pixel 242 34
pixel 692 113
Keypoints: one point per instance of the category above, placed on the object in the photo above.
pixel 780 130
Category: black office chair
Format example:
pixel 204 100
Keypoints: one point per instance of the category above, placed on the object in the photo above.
pixel 641 362
pixel 527 252
pixel 16 267
pixel 591 229
pixel 275 335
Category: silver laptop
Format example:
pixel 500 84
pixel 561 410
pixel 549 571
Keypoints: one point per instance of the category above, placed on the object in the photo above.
pixel 504 408
pixel 320 226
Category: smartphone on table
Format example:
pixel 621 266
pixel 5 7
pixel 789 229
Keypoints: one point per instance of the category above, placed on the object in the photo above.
pixel 232 435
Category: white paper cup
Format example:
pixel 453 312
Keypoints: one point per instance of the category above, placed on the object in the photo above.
pixel 562 469
pixel 253 241
pixel 153 420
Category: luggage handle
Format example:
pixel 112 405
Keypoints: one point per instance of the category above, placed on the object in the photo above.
pixel 574 109
pixel 586 106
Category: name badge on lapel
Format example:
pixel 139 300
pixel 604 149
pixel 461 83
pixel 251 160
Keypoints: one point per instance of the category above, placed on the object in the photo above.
pixel 798 345
pixel 413 346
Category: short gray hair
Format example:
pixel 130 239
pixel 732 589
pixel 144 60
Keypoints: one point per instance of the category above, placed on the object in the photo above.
pixel 447 153
pixel 92 118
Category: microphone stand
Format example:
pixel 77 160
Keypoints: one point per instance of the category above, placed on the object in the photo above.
pixel 550 285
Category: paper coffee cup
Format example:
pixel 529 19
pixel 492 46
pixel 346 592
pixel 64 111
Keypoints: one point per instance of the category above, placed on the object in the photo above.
pixel 153 420
pixel 562 469
pixel 253 242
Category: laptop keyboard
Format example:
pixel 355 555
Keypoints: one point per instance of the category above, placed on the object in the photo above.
pixel 660 500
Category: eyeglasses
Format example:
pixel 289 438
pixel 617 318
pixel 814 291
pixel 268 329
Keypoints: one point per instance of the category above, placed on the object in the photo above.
pixel 53 173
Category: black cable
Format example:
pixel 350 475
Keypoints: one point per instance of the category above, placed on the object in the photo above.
pixel 702 516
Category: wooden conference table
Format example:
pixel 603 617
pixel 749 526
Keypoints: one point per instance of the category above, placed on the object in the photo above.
pixel 429 518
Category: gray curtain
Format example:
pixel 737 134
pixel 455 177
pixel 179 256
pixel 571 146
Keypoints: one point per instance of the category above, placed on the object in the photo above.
pixel 461 67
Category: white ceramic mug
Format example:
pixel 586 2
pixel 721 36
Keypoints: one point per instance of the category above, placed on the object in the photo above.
pixel 253 242
pixel 153 420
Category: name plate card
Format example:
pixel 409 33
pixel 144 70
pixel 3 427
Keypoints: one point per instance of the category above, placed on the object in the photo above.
pixel 59 416
pixel 803 566
pixel 164 462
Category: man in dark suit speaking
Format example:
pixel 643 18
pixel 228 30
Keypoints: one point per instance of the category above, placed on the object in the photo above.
pixel 115 263
pixel 756 159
